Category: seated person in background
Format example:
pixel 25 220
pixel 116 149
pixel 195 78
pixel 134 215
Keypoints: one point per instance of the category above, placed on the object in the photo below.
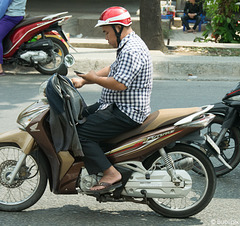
pixel 192 11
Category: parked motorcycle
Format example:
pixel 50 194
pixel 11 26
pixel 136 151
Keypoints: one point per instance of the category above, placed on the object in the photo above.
pixel 158 167
pixel 38 42
pixel 225 131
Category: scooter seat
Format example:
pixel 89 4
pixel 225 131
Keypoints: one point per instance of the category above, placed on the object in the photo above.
pixel 7 44
pixel 155 120
pixel 28 21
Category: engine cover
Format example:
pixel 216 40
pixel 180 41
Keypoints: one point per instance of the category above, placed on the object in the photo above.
pixel 158 186
pixel 87 181
pixel 34 56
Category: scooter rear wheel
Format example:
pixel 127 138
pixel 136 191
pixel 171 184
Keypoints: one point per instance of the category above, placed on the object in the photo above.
pixel 202 188
pixel 56 58
pixel 29 184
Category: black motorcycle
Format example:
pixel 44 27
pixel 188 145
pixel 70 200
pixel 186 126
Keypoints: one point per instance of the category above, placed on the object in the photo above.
pixel 224 130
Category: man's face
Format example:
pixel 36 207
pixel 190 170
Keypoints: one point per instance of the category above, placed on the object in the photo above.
pixel 110 35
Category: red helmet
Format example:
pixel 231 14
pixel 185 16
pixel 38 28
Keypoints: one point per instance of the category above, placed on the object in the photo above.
pixel 114 15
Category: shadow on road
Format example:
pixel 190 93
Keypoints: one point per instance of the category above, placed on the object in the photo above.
pixel 77 215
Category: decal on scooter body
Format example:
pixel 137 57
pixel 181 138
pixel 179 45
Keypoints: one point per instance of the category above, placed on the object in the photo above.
pixel 33 128
pixel 138 145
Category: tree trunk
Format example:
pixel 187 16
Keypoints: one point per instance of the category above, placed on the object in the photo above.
pixel 151 25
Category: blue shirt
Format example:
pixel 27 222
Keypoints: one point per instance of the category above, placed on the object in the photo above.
pixel 133 68
pixel 16 8
pixel 3 7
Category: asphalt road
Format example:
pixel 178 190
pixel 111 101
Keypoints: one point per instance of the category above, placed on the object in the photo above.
pixel 17 92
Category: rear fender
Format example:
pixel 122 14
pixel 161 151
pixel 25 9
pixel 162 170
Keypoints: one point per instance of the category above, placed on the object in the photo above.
pixel 55 31
pixel 195 137
pixel 20 138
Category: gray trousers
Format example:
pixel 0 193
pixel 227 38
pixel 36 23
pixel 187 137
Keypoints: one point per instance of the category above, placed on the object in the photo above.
pixel 100 126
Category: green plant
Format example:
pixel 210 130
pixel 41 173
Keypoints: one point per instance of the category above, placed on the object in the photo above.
pixel 223 26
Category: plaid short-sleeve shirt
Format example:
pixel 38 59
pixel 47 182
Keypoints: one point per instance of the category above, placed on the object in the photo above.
pixel 133 68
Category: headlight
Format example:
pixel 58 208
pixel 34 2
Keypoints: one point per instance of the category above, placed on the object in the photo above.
pixel 31 112
pixel 236 98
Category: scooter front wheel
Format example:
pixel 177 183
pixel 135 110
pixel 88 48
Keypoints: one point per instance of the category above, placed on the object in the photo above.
pixel 185 157
pixel 229 145
pixel 28 185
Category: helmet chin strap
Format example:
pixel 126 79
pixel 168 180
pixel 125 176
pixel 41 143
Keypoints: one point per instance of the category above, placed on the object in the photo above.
pixel 118 34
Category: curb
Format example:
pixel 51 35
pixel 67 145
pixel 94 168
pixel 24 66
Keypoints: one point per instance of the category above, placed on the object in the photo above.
pixel 173 67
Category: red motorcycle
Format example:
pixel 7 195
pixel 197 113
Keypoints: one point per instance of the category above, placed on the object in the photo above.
pixel 38 42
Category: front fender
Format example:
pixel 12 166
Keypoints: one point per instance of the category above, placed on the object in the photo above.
pixel 230 114
pixel 23 139
pixel 219 109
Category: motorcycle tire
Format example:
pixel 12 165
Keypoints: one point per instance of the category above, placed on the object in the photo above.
pixel 59 52
pixel 202 188
pixel 30 182
pixel 229 146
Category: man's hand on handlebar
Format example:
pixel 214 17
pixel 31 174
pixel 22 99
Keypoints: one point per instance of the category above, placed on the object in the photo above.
pixel 78 82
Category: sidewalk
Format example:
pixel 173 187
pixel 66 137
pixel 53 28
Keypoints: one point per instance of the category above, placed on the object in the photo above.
pixel 94 54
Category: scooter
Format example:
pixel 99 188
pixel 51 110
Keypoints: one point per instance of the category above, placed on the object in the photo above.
pixel 158 166
pixel 224 130
pixel 38 42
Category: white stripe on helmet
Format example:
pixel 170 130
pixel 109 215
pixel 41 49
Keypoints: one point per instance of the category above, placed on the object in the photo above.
pixel 112 19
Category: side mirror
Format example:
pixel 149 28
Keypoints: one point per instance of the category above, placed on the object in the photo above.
pixel 69 60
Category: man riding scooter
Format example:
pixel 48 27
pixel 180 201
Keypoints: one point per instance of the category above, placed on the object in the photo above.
pixel 125 99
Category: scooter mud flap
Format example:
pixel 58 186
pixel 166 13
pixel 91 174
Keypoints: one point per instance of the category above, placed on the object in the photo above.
pixel 216 151
pixel 19 137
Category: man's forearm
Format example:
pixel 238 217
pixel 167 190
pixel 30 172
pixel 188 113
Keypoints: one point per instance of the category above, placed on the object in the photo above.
pixel 102 80
pixel 103 72
pixel 110 83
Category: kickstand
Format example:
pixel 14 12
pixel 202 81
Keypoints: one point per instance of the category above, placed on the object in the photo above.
pixel 144 192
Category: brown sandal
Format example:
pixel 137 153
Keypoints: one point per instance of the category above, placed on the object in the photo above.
pixel 107 187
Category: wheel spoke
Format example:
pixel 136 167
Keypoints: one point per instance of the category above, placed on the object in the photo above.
pixel 197 179
pixel 196 193
pixel 24 187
